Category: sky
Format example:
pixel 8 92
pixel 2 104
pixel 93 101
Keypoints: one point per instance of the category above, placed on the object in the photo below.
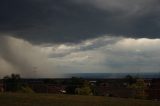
pixel 50 38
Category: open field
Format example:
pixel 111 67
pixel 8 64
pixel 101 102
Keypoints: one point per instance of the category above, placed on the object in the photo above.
pixel 8 99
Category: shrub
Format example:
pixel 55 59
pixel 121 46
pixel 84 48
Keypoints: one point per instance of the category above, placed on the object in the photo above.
pixel 83 91
pixel 26 90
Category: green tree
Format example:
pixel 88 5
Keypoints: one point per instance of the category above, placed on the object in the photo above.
pixel 130 80
pixel 12 83
pixel 85 89
pixel 140 88
pixel 73 84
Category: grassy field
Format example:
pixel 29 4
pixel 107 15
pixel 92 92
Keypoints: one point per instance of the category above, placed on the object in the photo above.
pixel 8 99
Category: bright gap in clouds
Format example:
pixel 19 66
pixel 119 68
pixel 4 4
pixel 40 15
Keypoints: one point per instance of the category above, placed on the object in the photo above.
pixel 100 55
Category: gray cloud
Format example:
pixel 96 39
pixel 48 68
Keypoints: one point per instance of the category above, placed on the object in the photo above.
pixel 102 54
pixel 125 7
pixel 43 21
pixel 91 44
pixel 123 55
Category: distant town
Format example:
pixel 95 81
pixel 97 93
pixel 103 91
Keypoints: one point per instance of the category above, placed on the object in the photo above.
pixel 126 87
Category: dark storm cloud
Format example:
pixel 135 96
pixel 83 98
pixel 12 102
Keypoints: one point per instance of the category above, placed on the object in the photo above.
pixel 41 21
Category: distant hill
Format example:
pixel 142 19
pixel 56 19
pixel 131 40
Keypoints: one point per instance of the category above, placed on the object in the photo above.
pixel 114 75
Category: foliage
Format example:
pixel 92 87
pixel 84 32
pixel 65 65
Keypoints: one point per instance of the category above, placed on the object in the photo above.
pixel 12 83
pixel 130 80
pixel 26 90
pixel 73 84
pixel 140 88
pixel 76 81
pixel 84 89
pixel 70 89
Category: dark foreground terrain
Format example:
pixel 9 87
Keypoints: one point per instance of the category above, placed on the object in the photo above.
pixel 8 99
